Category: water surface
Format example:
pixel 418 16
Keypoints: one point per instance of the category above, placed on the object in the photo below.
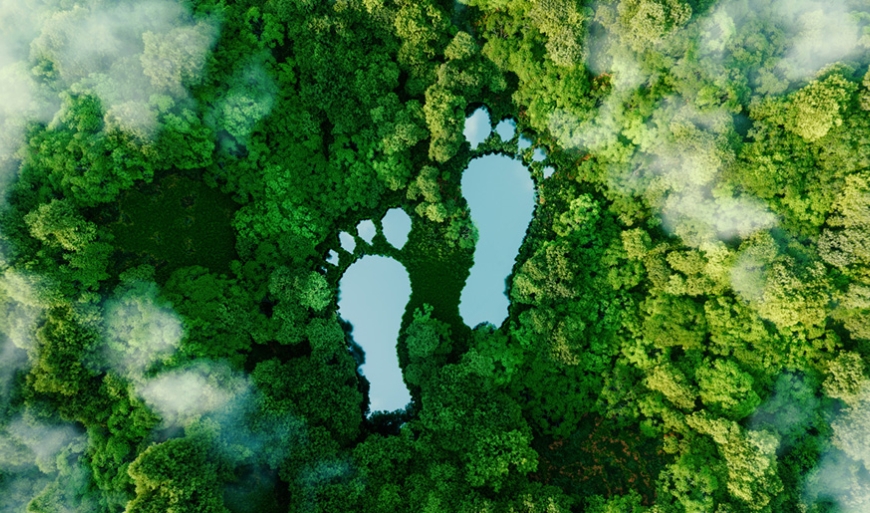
pixel 397 226
pixel 347 242
pixel 372 296
pixel 501 197
pixel 477 127
pixel 506 129
pixel 366 230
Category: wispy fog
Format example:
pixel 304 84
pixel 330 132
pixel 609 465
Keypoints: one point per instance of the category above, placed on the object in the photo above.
pixel 123 52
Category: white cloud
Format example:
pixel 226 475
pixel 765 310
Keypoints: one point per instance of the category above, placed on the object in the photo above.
pixel 181 396
pixel 842 473
pixel 11 360
pixel 676 168
pixel 139 330
pixel 123 52
pixel 699 218
pixel 250 432
pixel 817 32
pixel 249 99
pixel 27 442
pixel 824 33
pixel 29 452
pixel 23 298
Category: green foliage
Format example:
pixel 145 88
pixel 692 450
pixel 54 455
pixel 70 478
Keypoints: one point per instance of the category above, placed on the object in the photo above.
pixel 648 22
pixel 301 385
pixel 564 24
pixel 727 390
pixel 630 503
pixel 89 162
pixel 173 60
pixel 817 108
pixel 180 474
pixel 58 225
pixel 220 320
pixel 690 308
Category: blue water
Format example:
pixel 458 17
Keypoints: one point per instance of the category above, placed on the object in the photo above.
pixel 501 197
pixel 397 226
pixel 506 129
pixel 524 143
pixel 374 291
pixel 366 230
pixel 372 296
pixel 477 127
pixel 347 241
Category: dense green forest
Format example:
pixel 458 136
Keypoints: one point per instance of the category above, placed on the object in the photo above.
pixel 690 308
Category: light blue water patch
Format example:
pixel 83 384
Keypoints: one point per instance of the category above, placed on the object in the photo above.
pixel 548 171
pixel 477 127
pixel 397 225
pixel 539 155
pixel 506 129
pixel 373 294
pixel 366 230
pixel 524 143
pixel 333 257
pixel 347 241
pixel 501 197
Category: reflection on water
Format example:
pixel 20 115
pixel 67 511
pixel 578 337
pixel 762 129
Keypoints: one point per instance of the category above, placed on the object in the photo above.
pixel 372 296
pixel 524 143
pixel 477 127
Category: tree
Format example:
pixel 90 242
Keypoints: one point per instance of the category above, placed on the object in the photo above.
pixel 219 316
pixel 726 389
pixel 176 59
pixel 89 164
pixel 563 22
pixel 816 109
pixel 674 321
pixel 643 22
pixel 58 223
pixel 750 458
pixel 181 474
pixel 428 344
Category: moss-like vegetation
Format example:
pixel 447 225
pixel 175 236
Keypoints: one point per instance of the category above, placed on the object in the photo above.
pixel 174 222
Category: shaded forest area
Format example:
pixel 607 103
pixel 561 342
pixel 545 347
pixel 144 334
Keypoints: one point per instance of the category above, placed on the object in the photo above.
pixel 690 310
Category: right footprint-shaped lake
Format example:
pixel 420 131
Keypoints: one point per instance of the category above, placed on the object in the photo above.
pixel 501 197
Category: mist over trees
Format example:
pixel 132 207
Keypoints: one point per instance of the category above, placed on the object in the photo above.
pixel 689 325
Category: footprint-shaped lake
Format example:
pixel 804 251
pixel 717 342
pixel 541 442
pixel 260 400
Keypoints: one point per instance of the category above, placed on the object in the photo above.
pixel 501 197
pixel 373 294
pixel 374 291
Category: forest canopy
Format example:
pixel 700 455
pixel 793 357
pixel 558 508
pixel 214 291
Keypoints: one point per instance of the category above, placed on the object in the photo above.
pixel 689 320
